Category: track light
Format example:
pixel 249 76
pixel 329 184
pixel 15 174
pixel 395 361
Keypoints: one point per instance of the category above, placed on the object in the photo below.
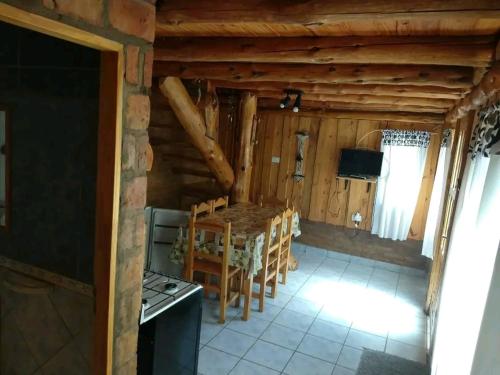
pixel 284 102
pixel 298 102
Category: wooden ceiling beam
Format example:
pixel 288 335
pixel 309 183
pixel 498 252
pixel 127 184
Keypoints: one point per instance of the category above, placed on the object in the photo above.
pixel 327 18
pixel 442 76
pixel 405 117
pixel 365 99
pixel 308 12
pixel 348 89
pixel 454 51
pixel 342 106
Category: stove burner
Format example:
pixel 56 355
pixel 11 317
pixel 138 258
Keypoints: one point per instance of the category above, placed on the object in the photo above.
pixel 145 303
pixel 171 287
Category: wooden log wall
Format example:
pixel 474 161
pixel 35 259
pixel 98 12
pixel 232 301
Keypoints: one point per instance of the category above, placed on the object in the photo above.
pixel 320 196
pixel 180 176
pixel 176 162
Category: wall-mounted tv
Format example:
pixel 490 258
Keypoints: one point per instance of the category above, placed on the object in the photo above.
pixel 360 163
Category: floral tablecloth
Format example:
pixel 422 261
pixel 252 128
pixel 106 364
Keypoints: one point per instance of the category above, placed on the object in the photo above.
pixel 248 225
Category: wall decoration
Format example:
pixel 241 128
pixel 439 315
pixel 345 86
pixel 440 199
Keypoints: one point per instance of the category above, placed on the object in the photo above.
pixel 299 159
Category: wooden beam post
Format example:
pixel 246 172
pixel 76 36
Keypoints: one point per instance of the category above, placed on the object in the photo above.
pixel 244 165
pixel 193 122
pixel 486 89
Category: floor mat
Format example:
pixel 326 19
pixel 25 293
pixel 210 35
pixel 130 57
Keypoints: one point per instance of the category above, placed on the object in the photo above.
pixel 379 363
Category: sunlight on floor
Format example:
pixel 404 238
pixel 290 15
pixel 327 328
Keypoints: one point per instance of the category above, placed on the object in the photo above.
pixel 331 308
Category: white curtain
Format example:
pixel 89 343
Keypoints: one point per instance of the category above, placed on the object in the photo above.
pixel 471 253
pixel 437 197
pixel 399 183
pixel 469 267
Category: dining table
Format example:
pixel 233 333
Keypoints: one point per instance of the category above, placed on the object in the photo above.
pixel 248 226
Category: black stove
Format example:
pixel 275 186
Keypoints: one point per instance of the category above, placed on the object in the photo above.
pixel 160 292
pixel 169 331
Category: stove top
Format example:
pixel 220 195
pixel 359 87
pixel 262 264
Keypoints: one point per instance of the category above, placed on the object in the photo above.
pixel 160 292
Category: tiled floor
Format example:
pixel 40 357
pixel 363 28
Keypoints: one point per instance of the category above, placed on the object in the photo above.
pixel 330 308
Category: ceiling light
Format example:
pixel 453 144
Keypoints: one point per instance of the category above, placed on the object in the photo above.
pixel 298 102
pixel 285 102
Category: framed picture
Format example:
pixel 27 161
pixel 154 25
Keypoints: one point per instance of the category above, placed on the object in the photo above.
pixel 4 168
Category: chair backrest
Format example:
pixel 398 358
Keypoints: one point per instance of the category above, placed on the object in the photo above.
pixel 273 227
pixel 220 203
pixel 287 224
pixel 201 209
pixel 207 247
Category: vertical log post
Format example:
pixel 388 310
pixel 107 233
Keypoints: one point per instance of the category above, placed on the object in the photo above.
pixel 243 170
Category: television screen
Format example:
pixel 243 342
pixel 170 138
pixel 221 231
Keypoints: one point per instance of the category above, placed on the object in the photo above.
pixel 360 163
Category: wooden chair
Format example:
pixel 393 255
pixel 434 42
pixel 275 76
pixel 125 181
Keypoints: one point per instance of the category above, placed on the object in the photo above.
pixel 220 203
pixel 286 244
pixel 215 265
pixel 197 211
pixel 202 209
pixel 275 202
pixel 269 274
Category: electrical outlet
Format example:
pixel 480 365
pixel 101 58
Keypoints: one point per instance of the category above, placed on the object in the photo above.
pixel 356 218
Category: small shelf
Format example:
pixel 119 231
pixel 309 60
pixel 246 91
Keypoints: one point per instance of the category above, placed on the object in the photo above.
pixel 371 180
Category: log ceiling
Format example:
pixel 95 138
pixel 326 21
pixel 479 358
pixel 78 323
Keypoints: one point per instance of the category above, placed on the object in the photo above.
pixel 327 18
pixel 388 57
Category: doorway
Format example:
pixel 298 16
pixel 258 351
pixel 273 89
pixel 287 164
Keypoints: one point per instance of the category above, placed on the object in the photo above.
pixel 107 173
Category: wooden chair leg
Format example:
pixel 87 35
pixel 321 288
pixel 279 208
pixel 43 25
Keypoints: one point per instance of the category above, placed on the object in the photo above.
pixel 262 290
pixel 188 270
pixel 248 285
pixel 207 282
pixel 274 283
pixel 284 268
pixel 239 287
pixel 223 298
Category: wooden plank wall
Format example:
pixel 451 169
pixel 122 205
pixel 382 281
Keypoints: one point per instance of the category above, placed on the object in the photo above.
pixel 320 196
pixel 229 130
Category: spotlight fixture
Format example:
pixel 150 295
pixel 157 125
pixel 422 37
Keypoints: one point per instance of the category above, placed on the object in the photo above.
pixel 298 102
pixel 284 102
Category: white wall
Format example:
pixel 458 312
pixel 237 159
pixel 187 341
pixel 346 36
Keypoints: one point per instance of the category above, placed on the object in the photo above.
pixel 487 358
pixel 468 272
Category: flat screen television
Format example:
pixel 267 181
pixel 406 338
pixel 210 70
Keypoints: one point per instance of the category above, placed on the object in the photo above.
pixel 360 163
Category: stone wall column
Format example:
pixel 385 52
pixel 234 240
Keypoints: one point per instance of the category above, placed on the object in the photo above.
pixel 131 23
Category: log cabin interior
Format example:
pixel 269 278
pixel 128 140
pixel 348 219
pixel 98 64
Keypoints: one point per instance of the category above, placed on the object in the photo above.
pixel 259 187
